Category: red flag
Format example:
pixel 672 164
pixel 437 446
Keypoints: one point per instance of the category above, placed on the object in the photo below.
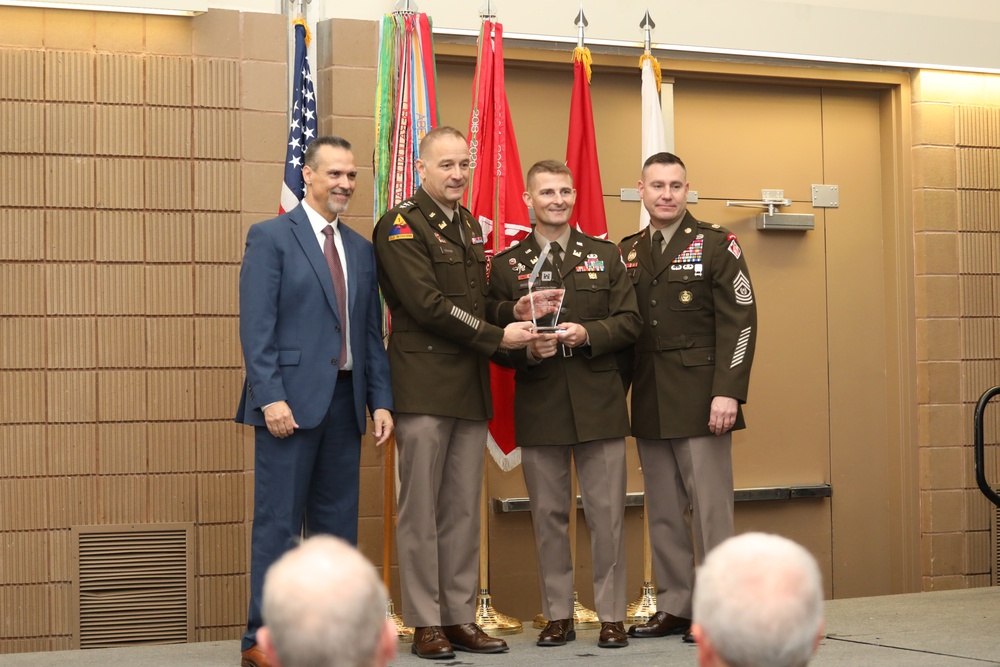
pixel 494 197
pixel 581 152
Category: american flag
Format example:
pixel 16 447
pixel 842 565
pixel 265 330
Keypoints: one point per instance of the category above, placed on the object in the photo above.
pixel 303 126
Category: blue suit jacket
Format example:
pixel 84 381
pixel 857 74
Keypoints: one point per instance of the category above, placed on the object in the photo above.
pixel 290 329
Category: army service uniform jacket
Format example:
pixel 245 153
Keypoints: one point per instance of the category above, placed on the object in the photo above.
pixel 577 395
pixel 698 333
pixel 433 278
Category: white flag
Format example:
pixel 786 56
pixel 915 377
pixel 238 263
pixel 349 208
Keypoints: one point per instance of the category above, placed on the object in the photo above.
pixel 653 139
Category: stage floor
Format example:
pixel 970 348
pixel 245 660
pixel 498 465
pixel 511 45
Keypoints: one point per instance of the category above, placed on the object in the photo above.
pixel 941 629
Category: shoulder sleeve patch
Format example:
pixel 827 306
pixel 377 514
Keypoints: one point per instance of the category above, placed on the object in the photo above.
pixel 400 229
pixel 734 248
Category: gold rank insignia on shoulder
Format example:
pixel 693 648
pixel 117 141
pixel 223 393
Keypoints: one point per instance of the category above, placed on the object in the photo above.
pixel 685 297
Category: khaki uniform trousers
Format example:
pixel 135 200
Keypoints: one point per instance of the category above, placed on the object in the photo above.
pixel 437 534
pixel 681 474
pixel 600 467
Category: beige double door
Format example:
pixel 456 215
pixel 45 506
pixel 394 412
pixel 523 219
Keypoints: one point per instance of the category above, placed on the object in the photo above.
pixel 818 410
pixel 823 406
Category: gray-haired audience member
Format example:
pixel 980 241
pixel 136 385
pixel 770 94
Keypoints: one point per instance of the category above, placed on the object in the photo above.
pixel 758 602
pixel 324 606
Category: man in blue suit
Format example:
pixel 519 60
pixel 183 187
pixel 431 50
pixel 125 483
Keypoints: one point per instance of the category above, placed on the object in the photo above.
pixel 311 332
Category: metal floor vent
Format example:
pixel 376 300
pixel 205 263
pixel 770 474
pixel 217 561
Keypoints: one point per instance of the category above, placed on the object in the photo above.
pixel 133 585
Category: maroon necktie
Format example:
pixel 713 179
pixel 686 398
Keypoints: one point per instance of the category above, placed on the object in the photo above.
pixel 339 287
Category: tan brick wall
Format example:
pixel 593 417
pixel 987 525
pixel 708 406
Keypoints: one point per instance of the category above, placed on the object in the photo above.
pixel 134 152
pixel 956 155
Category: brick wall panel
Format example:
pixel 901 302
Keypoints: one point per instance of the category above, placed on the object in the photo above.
pixel 22 450
pixel 72 449
pixel 168 132
pixel 72 342
pixel 168 81
pixel 23 129
pixel 120 131
pixel 121 341
pixel 168 237
pixel 24 398
pixel 69 76
pixel 121 449
pixel 23 343
pixel 68 234
pixel 22 75
pixel 120 78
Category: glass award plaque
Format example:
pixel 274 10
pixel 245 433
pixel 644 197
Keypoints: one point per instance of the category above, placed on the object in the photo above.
pixel 546 291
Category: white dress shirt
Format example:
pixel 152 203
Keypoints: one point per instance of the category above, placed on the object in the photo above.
pixel 318 224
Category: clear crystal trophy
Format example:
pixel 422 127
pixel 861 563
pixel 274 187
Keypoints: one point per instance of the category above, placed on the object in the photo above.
pixel 546 291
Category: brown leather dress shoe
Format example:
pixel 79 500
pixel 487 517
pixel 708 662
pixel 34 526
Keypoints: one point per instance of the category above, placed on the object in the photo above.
pixel 660 625
pixel 253 657
pixel 612 635
pixel 557 633
pixel 689 638
pixel 431 643
pixel 470 637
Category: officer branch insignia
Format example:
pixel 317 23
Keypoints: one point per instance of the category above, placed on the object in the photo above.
pixel 741 285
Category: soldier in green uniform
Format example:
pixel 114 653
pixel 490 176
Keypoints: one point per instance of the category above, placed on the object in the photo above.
pixel 690 376
pixel 569 401
pixel 432 271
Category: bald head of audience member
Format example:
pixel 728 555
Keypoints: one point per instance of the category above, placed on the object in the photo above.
pixel 758 602
pixel 324 605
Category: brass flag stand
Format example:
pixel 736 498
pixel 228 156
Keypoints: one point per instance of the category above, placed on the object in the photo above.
pixel 404 633
pixel 643 609
pixel 487 617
